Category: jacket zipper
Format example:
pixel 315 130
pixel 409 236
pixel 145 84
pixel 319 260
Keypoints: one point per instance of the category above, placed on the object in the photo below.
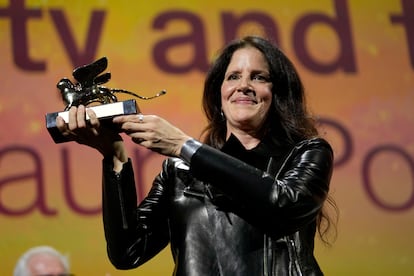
pixel 293 255
pixel 121 201
pixel 265 265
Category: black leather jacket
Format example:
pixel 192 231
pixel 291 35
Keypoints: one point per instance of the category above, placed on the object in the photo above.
pixel 221 215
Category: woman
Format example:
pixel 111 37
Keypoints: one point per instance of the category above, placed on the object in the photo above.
pixel 246 201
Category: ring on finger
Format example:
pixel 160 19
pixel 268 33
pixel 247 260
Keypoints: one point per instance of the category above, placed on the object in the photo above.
pixel 140 117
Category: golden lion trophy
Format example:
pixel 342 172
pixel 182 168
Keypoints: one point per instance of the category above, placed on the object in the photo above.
pixel 89 90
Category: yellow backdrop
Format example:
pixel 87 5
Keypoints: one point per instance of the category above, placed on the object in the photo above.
pixel 356 59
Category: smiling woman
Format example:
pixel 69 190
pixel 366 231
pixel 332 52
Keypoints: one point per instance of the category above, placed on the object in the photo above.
pixel 246 94
pixel 355 59
pixel 262 174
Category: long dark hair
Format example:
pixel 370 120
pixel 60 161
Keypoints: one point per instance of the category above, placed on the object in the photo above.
pixel 288 121
pixel 288 116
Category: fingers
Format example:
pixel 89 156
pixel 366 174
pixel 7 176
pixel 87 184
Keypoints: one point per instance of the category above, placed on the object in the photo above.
pixel 77 121
pixel 84 127
pixel 77 118
pixel 93 119
pixel 66 127
pixel 136 118
pixel 132 123
pixel 140 117
pixel 152 132
pixel 81 116
pixel 73 122
pixel 138 126
pixel 137 140
pixel 61 125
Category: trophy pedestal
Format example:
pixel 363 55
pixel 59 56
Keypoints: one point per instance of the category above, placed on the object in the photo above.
pixel 103 112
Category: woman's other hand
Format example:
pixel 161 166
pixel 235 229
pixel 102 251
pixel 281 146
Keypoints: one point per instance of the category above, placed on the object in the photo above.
pixel 153 132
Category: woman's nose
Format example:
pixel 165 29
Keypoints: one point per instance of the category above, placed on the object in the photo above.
pixel 244 85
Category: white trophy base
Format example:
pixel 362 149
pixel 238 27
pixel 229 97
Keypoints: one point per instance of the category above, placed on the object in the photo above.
pixel 104 111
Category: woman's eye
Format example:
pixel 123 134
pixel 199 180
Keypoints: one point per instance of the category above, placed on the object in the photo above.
pixel 260 78
pixel 233 77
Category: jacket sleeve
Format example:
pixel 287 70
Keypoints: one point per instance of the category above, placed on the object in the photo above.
pixel 133 234
pixel 281 204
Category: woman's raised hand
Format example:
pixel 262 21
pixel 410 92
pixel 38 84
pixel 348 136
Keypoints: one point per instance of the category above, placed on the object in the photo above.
pixel 153 132
pixel 93 133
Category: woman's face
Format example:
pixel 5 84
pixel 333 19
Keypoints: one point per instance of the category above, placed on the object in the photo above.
pixel 246 92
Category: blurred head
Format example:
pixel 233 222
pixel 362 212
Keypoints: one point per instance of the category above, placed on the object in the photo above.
pixel 42 260
pixel 260 66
